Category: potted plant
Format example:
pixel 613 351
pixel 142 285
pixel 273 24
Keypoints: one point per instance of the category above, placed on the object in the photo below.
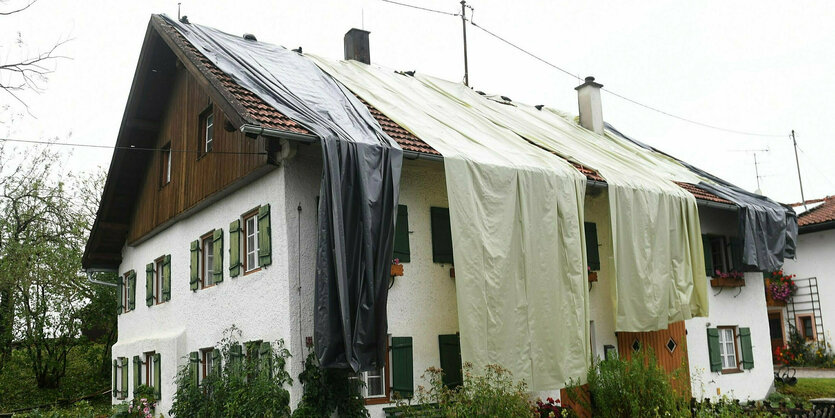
pixel 729 279
pixel 780 287
pixel 592 275
pixel 396 267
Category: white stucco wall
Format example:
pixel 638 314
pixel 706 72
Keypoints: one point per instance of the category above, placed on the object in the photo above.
pixel 256 303
pixel 741 307
pixel 815 258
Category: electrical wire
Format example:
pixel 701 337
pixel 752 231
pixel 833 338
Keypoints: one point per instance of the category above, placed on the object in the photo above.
pixel 422 8
pixel 815 166
pixel 112 147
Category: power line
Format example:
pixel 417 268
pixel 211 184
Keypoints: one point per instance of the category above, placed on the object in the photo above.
pixel 421 8
pixel 78 145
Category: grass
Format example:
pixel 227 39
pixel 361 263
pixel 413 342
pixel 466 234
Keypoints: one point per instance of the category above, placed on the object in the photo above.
pixel 810 388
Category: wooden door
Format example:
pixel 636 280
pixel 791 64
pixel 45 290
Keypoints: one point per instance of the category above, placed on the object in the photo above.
pixel 670 348
pixel 775 327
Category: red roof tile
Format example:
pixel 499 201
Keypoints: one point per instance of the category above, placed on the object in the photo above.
pixel 702 194
pixel 823 213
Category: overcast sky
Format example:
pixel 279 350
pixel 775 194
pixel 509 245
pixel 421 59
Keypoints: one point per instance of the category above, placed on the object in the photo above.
pixel 757 66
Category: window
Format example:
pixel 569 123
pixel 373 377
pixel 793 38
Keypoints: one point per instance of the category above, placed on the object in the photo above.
pixel 149 369
pixel 120 378
pixel 722 254
pixel 727 349
pixel 125 292
pixel 719 254
pixel 806 327
pixel 250 241
pixel 376 384
pixel 207 123
pixel 165 165
pixel 157 283
pixel 208 258
pixel 206 359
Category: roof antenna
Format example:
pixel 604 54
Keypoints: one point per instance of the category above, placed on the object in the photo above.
pixel 362 14
pixel 178 10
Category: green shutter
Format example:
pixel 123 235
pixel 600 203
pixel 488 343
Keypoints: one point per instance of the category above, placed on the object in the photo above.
pixel 115 390
pixel 706 247
pixel 736 254
pixel 132 290
pixel 123 365
pixel 265 359
pixel 402 368
pixel 441 235
pixel 157 377
pixel 217 246
pixel 264 237
pixel 216 362
pixel 166 278
pixel 401 235
pixel 137 373
pixel 194 276
pixel 149 284
pixel 747 350
pixel 194 367
pixel 450 347
pixel 235 357
pixel 592 247
pixel 713 350
pixel 235 248
pixel 120 295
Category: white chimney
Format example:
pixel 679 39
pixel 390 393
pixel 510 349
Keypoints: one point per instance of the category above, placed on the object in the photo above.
pixel 591 108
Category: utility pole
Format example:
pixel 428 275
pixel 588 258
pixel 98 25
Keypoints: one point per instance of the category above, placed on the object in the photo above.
pixel 799 179
pixel 464 27
pixel 178 11
pixel 757 172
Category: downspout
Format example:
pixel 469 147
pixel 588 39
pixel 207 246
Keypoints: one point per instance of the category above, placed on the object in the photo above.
pixel 90 278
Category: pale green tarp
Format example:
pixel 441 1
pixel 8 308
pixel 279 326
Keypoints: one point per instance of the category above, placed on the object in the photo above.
pixel 658 255
pixel 516 213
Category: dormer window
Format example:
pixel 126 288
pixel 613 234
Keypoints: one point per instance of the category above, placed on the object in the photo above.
pixel 207 134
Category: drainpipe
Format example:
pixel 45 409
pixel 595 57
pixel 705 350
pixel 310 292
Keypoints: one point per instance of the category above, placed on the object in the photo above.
pixel 90 278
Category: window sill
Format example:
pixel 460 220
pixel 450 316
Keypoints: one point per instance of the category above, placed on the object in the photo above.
pixel 377 401
pixel 732 371
pixel 252 271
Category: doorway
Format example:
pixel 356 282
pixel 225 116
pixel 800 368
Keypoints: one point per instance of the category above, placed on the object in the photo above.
pixel 776 330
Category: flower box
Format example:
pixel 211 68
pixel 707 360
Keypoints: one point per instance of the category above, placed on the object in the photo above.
pixel 592 276
pixel 727 282
pixel 396 269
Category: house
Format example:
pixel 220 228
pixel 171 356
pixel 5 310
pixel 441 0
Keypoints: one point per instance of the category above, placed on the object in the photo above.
pixel 210 216
pixel 808 311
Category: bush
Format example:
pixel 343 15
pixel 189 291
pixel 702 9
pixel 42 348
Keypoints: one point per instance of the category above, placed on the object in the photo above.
pixel 327 391
pixel 633 388
pixel 492 394
pixel 237 389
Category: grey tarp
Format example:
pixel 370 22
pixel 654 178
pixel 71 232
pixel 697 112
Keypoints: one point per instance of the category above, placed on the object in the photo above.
pixel 358 197
pixel 767 228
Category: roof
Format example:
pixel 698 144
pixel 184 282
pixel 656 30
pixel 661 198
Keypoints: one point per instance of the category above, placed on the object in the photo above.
pixel 816 217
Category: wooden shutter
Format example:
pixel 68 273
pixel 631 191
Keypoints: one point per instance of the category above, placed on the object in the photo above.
pixel 194 275
pixel 166 278
pixel 265 359
pixel 441 235
pixel 216 361
pixel 401 235
pixel 120 295
pixel 149 284
pixel 450 347
pixel 157 377
pixel 736 254
pixel 235 357
pixel 402 368
pixel 194 367
pixel 592 247
pixel 746 348
pixel 713 350
pixel 123 366
pixel 264 241
pixel 115 390
pixel 217 246
pixel 137 373
pixel 132 290
pixel 708 253
pixel 235 248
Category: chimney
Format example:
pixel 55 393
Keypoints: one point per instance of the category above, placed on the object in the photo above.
pixel 356 46
pixel 591 109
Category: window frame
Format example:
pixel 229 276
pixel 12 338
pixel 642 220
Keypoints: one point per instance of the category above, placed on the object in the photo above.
pixel 724 253
pixel 120 371
pixel 253 214
pixel 125 291
pixel 165 165
pixel 207 124
pixel 734 338
pixel 206 359
pixel 209 236
pixel 802 330
pixel 157 283
pixel 149 369
pixel 385 375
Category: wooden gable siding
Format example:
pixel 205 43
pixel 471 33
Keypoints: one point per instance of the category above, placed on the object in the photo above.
pixel 193 177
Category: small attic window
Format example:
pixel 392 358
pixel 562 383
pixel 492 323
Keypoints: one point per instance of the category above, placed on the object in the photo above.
pixel 165 164
pixel 207 131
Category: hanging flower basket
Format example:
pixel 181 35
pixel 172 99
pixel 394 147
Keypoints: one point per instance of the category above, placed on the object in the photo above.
pixel 730 279
pixel 396 267
pixel 780 287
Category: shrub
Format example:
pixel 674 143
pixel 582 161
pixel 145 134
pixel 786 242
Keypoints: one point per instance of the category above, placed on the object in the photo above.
pixel 633 388
pixel 327 391
pixel 239 388
pixel 491 393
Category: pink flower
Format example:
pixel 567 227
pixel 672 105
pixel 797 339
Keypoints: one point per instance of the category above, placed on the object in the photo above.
pixel 146 410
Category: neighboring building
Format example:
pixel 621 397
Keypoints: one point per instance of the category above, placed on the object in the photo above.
pixel 809 312
pixel 218 228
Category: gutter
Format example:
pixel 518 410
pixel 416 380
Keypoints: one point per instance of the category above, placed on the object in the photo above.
pixel 90 278
pixel 249 129
pixel 823 226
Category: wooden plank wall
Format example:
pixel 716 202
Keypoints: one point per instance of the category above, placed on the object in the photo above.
pixel 657 340
pixel 193 177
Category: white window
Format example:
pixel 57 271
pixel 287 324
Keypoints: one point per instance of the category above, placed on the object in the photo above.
pixel 149 368
pixel 209 132
pixel 208 249
pixel 166 165
pixel 157 282
pixel 251 241
pixel 206 359
pixel 374 383
pixel 121 368
pixel 727 348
